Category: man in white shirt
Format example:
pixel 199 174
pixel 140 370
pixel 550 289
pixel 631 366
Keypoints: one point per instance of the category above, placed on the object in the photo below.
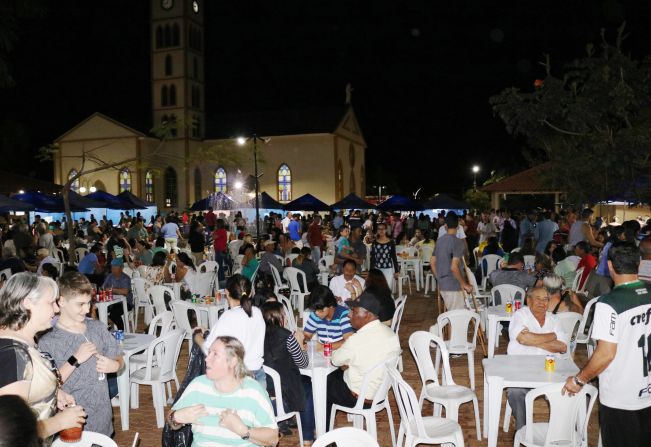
pixel 373 343
pixel 285 222
pixel 485 228
pixel 348 285
pixel 533 331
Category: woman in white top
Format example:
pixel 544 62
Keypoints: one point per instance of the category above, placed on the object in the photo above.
pixel 243 321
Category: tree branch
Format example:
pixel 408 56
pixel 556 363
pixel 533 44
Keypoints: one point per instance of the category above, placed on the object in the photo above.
pixel 558 129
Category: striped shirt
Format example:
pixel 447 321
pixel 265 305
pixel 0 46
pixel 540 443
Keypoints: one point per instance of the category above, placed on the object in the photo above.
pixel 250 401
pixel 332 330
pixel 298 355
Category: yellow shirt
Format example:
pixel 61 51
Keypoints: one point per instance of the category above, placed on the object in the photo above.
pixel 370 345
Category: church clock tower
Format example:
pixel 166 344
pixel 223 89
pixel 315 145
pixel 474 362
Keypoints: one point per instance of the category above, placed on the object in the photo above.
pixel 177 66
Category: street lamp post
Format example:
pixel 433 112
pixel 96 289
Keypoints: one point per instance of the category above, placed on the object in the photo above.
pixel 241 141
pixel 379 193
pixel 475 170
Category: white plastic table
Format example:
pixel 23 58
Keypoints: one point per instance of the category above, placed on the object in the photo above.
pixel 520 371
pixel 176 288
pixel 212 310
pixel 418 267
pixel 102 310
pixel 318 370
pixel 493 315
pixel 132 344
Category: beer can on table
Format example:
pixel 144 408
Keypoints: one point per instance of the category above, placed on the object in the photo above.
pixel 119 336
pixel 327 349
pixel 550 363
pixel 110 294
pixel 518 305
pixel 509 307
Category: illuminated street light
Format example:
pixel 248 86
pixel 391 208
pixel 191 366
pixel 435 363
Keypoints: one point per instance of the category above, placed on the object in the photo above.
pixel 93 189
pixel 475 170
pixel 238 185
pixel 241 141
pixel 82 189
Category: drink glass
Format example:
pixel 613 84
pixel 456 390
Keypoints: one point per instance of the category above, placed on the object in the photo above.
pixel 71 434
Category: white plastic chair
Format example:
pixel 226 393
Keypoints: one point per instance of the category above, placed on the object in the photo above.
pixel 208 266
pixel 570 322
pixel 164 353
pixel 568 417
pixel 281 415
pixel 574 259
pixel 480 295
pixel 413 426
pixel 583 336
pixel 81 252
pixel 380 401
pixel 476 256
pixel 59 266
pixel 289 259
pixel 297 287
pixel 402 277
pixel 127 271
pixel 88 439
pixel 489 263
pixel 60 256
pixel 396 320
pixel 506 292
pixel 278 282
pixel 203 283
pixel 290 320
pixel 459 321
pixel 234 247
pixel 430 282
pixel 5 274
pixel 156 295
pixel 529 262
pixel 141 299
pixel 180 309
pixel 326 261
pixel 577 279
pixel 346 437
pixel 449 395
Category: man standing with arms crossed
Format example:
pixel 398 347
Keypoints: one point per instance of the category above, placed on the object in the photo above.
pixel 622 360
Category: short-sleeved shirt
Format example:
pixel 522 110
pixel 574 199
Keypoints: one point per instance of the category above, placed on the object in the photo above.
pixel 294 228
pixel 83 385
pixel 121 282
pixel 623 316
pixel 88 263
pixel 513 277
pixel 250 401
pixel 447 247
pixel 333 330
pixel 524 318
pixel 169 231
pixel 338 286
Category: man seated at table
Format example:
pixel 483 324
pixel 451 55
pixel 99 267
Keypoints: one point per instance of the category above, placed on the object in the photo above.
pixel 347 285
pixel 373 343
pixel 328 320
pixel 268 258
pixel 121 285
pixel 513 274
pixel 533 331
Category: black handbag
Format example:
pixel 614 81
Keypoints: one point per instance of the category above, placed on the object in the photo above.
pixel 196 367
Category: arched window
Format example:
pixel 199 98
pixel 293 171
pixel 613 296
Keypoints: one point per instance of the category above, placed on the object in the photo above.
pixel 352 183
pixel 164 96
pixel 170 187
pixel 124 180
pixel 168 65
pixel 197 183
pixel 172 95
pixel 149 186
pixel 167 36
pixel 74 186
pixel 339 178
pixel 284 183
pixel 159 37
pixel 220 180
pixel 176 35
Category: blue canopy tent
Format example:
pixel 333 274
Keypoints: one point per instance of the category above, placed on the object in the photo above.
pixel 8 205
pixel 268 203
pixel 109 201
pixel 306 202
pixel 46 204
pixel 445 202
pixel 136 203
pixel 400 203
pixel 352 202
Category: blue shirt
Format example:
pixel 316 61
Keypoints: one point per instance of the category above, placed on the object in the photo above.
pixel 293 229
pixel 121 282
pixel 169 230
pixel 543 233
pixel 88 263
pixel 602 267
pixel 332 330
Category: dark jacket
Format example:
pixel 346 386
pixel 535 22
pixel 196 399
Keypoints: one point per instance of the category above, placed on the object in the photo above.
pixel 277 357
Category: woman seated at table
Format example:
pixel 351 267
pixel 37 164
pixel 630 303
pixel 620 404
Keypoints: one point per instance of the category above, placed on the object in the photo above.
pixel 226 406
pixel 328 320
pixel 283 353
pixel 376 283
pixel 185 271
pixel 154 273
pixel 492 247
pixel 249 262
pixel 27 306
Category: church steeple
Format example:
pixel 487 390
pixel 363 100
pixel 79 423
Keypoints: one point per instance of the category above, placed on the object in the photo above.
pixel 177 69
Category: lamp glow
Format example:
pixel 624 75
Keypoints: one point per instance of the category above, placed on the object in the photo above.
pixel 238 185
pixel 93 189
pixel 22 191
pixel 82 189
pixel 241 141
pixel 475 169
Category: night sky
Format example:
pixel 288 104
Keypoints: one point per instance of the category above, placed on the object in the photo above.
pixel 422 72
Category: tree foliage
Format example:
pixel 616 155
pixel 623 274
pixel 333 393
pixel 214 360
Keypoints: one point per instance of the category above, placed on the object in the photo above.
pixel 478 200
pixel 591 121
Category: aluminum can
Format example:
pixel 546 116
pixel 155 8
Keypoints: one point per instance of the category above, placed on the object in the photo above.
pixel 509 307
pixel 550 363
pixel 327 349
pixel 110 294
pixel 518 305
pixel 119 336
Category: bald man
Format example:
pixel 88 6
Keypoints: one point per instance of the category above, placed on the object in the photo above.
pixel 644 272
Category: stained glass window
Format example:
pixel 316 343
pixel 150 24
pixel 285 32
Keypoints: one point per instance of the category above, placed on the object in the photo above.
pixel 284 183
pixel 75 185
pixel 149 186
pixel 124 180
pixel 220 180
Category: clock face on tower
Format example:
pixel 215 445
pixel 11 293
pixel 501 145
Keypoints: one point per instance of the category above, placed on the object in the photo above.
pixel 195 6
pixel 167 4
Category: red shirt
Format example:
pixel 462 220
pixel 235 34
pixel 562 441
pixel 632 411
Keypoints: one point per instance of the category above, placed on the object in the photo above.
pixel 314 235
pixel 589 263
pixel 220 239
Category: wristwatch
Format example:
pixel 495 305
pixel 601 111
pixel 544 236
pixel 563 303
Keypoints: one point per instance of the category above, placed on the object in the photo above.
pixel 73 361
pixel 247 435
pixel 577 382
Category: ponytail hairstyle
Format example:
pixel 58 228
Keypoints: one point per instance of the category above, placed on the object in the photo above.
pixel 187 260
pixel 239 288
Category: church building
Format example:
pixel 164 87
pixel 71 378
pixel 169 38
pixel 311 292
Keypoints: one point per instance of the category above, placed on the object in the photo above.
pixel 320 151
